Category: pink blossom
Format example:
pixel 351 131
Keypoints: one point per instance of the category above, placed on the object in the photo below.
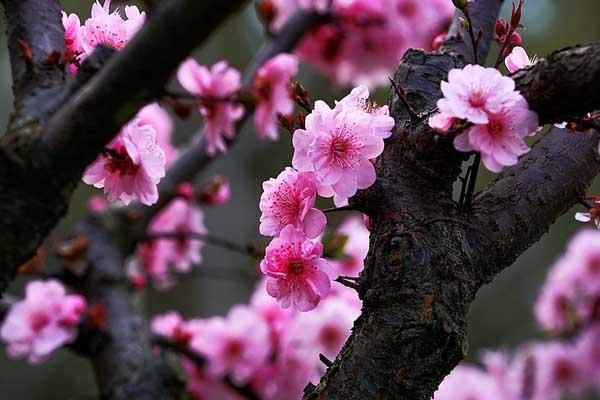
pixel 44 321
pixel 204 386
pixel 157 117
pixel 500 139
pixel 468 383
pixel 215 192
pixel 73 49
pixel 593 214
pixel 271 84
pixel 155 256
pixel 237 345
pixel 96 204
pixel 355 248
pixel 474 92
pixel 109 29
pixel 441 122
pixel 339 143
pixel 170 325
pixel 517 59
pixel 216 86
pixel 298 276
pixel 290 200
pixel 130 167
pixel 368 38
pixel 571 292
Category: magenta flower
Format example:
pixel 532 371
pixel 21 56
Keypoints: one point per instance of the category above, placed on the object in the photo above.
pixel 474 92
pixel 298 276
pixel 500 140
pixel 172 326
pixel 109 29
pixel 470 383
pixel 130 167
pixel 517 59
pixel 290 200
pixel 216 87
pixel 339 143
pixel 182 253
pixel 237 345
pixel 73 49
pixel 44 321
pixel 157 117
pixel 272 88
pixel 441 122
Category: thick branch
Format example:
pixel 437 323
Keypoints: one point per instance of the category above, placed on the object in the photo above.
pixel 564 85
pixel 125 366
pixel 521 204
pixel 35 37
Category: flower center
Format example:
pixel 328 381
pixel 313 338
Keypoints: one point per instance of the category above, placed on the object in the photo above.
pixel 330 337
pixel 564 371
pixel 296 267
pixel 119 161
pixel 39 320
pixel 495 128
pixel 477 100
pixel 233 349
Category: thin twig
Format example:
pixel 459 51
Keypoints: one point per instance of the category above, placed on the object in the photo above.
pixel 328 363
pixel 474 41
pixel 402 95
pixel 207 238
pixel 337 209
pixel 472 180
pixel 348 283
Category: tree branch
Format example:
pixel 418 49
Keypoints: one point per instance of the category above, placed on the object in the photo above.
pixel 125 367
pixel 35 33
pixel 521 204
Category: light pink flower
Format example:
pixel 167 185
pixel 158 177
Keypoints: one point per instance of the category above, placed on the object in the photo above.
pixel 157 117
pixel 155 256
pixel 289 199
pixel 517 59
pixel 110 29
pixel 355 248
pixel 130 167
pixel 73 49
pixel 298 276
pixel 271 85
pixel 237 345
pixel 441 122
pixel 204 386
pixel 571 292
pixel 468 383
pixel 474 92
pixel 216 86
pixel 500 139
pixel 215 192
pixel 339 143
pixel 44 321
pixel 172 326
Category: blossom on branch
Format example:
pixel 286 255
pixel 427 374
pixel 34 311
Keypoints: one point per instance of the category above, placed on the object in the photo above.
pixel 271 86
pixel 44 321
pixel 157 117
pixel 216 88
pixel 339 143
pixel 290 199
pixel 130 167
pixel 297 274
pixel 518 59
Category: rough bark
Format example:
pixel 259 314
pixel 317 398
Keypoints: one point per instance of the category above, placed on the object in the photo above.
pixel 124 363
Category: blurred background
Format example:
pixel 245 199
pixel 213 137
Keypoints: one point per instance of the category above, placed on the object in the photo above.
pixel 502 313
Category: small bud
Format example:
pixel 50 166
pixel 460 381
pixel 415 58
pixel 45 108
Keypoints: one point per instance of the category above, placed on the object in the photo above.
pixel 501 30
pixel 438 40
pixel 26 50
pixel 515 39
pixel 53 57
pixel 34 265
pixel 299 94
pixel 216 192
pixel 185 190
pixel 267 11
pixel 515 19
pixel 463 23
pixel 96 316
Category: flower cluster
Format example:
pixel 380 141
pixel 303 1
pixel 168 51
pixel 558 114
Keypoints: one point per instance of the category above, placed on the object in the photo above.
pixel 272 351
pixel 570 298
pixel 217 93
pixel 44 321
pixel 366 39
pixel 103 28
pixel 538 371
pixel 181 220
pixel 500 115
pixel 131 166
pixel 333 158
